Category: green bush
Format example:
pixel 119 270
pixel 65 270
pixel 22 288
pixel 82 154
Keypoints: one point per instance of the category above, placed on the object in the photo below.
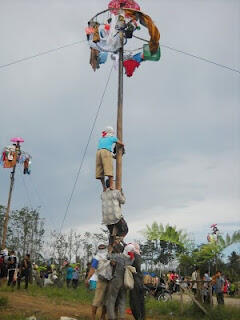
pixel 3 301
pixel 154 307
pixel 224 313
pixel 172 310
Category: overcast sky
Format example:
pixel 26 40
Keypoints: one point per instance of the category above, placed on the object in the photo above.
pixel 181 115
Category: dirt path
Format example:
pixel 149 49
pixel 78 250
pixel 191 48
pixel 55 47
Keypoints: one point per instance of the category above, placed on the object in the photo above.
pixel 29 305
pixel 20 303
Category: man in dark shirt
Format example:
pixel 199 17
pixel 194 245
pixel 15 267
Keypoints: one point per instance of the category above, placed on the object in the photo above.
pixel 219 288
pixel 24 271
pixel 12 265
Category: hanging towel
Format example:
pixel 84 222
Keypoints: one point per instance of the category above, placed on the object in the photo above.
pixel 130 66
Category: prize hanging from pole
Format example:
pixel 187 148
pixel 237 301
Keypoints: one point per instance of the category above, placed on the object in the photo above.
pixel 12 156
pixel 104 36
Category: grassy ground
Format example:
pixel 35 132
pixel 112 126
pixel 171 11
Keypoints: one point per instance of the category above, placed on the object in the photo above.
pixel 172 310
pixel 80 299
pixel 81 294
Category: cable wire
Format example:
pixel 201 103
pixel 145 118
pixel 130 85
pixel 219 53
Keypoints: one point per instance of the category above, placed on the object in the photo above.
pixel 41 53
pixel 26 189
pixel 81 41
pixel 192 55
pixel 85 150
pixel 200 58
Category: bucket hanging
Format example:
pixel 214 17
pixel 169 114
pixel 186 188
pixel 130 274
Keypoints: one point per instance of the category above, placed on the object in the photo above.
pixel 151 57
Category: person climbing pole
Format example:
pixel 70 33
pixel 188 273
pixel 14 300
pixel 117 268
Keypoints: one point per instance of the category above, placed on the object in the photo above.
pixel 104 158
pixel 112 213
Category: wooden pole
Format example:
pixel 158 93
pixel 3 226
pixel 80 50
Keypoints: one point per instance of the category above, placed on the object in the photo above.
pixel 6 217
pixel 120 117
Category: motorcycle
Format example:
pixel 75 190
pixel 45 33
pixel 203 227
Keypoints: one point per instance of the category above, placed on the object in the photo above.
pixel 160 293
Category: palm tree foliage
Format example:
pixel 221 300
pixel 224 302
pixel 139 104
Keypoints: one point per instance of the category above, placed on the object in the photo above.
pixel 163 244
pixel 169 234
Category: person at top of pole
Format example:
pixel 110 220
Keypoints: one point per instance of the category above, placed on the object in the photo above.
pixel 104 162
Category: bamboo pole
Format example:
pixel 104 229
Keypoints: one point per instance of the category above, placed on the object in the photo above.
pixel 120 117
pixel 6 217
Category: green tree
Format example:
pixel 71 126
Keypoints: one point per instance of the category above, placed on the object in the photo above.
pixel 165 243
pixel 233 266
pixel 26 231
pixel 208 255
pixel 168 234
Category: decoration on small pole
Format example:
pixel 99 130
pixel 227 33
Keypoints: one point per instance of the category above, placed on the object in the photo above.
pixel 10 157
pixel 213 237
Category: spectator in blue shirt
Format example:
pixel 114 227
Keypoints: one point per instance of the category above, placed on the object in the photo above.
pixel 69 275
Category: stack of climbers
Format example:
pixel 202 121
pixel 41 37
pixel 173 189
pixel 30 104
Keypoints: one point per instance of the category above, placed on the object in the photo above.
pixel 104 38
pixel 112 199
pixel 116 266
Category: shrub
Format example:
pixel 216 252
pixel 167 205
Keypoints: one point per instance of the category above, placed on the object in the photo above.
pixel 224 313
pixel 3 301
pixel 154 307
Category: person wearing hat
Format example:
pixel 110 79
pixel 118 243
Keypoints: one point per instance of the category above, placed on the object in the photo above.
pixel 102 269
pixel 104 162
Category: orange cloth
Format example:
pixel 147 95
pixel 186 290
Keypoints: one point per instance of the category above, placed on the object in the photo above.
pixel 96 36
pixel 147 22
pixel 10 164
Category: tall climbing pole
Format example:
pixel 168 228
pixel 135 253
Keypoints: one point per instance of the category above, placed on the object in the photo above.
pixel 6 216
pixel 120 117
pixel 12 156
